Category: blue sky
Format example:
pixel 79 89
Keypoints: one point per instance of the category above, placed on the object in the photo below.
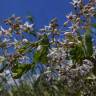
pixel 41 10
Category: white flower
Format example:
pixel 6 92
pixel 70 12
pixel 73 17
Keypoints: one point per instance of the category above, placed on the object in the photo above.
pixel 70 16
pixel 5 32
pixel 51 52
pixel 2 59
pixel 39 48
pixel 75 2
pixel 28 25
pixel 24 59
pixel 2 29
pixel 15 40
pixel 42 30
pixel 67 33
pixel 6 40
pixel 25 40
pixel 57 56
pixel 47 27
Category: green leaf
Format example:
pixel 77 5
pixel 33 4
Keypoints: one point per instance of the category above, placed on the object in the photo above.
pixel 23 48
pixel 2 59
pixel 41 55
pixel 88 44
pixel 91 77
pixel 3 66
pixel 37 56
pixel 20 69
pixel 94 25
pixel 77 53
pixel 27 47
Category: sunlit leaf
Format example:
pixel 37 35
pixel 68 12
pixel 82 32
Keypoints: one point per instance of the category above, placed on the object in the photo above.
pixel 20 69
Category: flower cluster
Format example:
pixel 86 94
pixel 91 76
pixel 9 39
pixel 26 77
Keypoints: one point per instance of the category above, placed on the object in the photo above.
pixel 71 59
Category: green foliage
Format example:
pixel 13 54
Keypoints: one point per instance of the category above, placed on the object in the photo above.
pixel 83 49
pixel 88 43
pixel 40 55
pixel 77 53
pixel 69 63
pixel 20 69
pixel 94 25
pixel 22 90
